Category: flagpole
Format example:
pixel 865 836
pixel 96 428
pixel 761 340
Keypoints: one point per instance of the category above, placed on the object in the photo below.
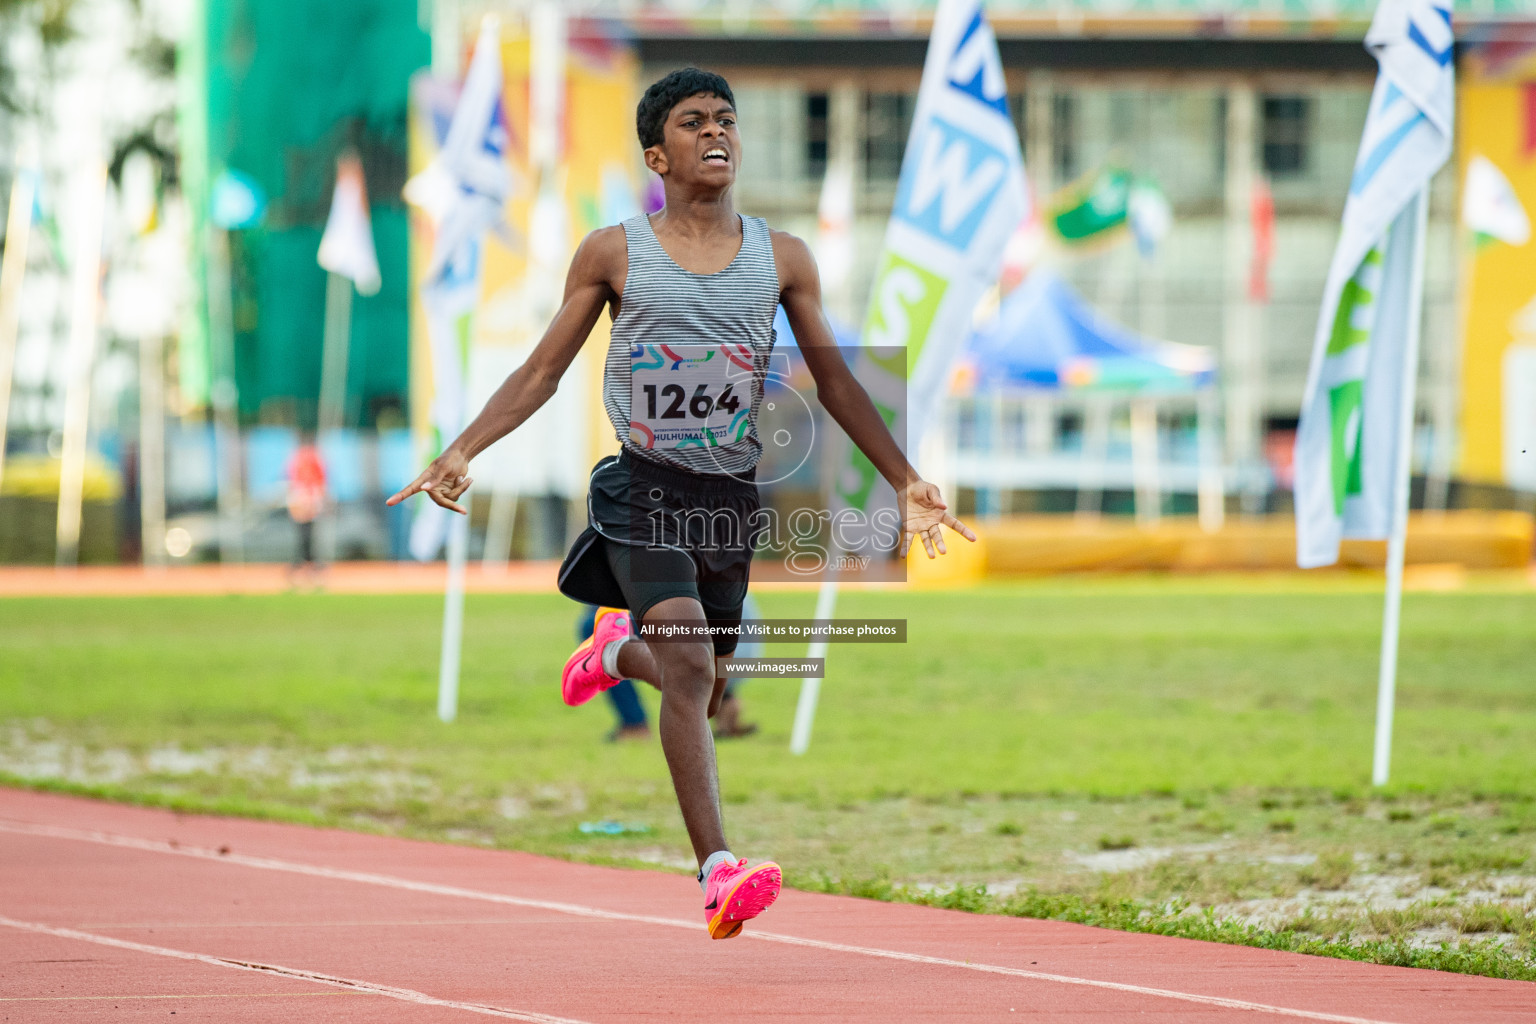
pixel 224 397
pixel 85 288
pixel 13 268
pixel 453 621
pixel 810 687
pixel 333 361
pixel 486 48
pixel 152 450
pixel 498 530
pixel 333 384
pixel 834 231
pixel 1397 540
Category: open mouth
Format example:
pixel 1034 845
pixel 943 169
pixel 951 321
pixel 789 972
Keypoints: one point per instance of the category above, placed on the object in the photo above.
pixel 717 156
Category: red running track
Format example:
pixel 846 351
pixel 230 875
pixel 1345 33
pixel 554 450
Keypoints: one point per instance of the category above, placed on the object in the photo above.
pixel 127 913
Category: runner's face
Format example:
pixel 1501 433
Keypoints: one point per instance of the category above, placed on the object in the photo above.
pixel 700 143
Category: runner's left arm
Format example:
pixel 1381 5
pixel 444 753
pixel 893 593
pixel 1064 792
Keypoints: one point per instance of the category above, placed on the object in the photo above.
pixel 922 506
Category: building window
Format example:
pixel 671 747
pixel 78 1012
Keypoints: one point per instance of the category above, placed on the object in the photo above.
pixel 887 122
pixel 1064 155
pixel 1287 130
pixel 817 130
pixel 1018 110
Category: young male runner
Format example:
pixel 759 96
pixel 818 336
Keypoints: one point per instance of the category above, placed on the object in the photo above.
pixel 672 522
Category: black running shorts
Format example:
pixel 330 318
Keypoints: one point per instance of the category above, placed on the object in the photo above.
pixel 655 532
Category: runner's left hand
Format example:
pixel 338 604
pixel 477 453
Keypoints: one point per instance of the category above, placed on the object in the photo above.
pixel 924 513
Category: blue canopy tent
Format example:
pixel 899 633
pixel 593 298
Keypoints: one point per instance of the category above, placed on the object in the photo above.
pixel 1045 338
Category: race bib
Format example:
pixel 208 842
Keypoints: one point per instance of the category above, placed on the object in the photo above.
pixel 689 396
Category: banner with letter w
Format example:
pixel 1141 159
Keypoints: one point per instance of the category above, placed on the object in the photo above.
pixel 959 199
pixel 960 196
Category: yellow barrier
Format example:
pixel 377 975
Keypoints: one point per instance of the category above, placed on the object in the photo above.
pixel 1048 544
pixel 35 476
pixel 966 563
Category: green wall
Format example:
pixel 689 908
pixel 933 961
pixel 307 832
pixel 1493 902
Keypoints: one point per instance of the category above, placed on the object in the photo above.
pixel 277 89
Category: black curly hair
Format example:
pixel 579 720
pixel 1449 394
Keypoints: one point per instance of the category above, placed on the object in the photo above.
pixel 662 96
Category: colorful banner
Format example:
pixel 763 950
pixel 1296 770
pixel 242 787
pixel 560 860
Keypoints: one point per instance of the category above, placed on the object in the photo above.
pixel 595 181
pixel 462 191
pixel 594 184
pixel 1497 165
pixel 959 199
pixel 1363 367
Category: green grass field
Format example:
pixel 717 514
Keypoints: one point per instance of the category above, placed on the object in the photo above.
pixel 1101 740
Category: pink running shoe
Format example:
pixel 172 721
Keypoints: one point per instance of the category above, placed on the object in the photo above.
pixel 737 894
pixel 584 677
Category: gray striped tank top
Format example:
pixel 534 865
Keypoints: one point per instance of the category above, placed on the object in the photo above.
pixel 664 305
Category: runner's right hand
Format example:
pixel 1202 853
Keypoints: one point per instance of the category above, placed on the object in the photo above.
pixel 443 481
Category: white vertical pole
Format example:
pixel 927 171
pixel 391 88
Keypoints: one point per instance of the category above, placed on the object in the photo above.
pixel 13 268
pixel 224 397
pixel 1242 371
pixel 453 620
pixel 845 134
pixel 810 688
pixel 333 359
pixel 1093 457
pixel 1144 462
pixel 498 530
pixel 333 386
pixel 1212 492
pixel 458 526
pixel 1397 540
pixel 85 288
pixel 152 449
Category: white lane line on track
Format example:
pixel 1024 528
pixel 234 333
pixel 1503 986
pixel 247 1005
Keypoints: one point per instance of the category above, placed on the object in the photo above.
pixel 575 909
pixel 403 994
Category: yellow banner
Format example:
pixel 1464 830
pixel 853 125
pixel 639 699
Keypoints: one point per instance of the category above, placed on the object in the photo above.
pixel 1498 123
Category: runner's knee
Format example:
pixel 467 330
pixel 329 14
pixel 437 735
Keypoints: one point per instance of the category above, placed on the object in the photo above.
pixel 687 670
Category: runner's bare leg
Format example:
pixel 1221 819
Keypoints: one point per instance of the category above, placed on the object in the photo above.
pixel 690 693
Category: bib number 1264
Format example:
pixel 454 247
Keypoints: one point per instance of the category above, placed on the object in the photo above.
pixel 689 396
pixel 700 403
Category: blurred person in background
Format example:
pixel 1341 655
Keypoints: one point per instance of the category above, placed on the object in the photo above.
pixel 306 500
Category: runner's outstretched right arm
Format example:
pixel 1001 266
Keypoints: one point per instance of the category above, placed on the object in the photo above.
pixel 589 285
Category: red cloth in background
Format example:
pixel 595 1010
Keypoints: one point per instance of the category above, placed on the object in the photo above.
pixel 306 484
pixel 1262 218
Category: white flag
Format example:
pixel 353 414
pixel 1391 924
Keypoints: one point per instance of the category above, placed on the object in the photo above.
pixel 1349 439
pixel 464 189
pixel 1489 205
pixel 464 192
pixel 834 227
pixel 346 248
pixel 959 199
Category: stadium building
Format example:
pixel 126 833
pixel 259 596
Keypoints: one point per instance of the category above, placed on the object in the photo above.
pixel 1241 117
